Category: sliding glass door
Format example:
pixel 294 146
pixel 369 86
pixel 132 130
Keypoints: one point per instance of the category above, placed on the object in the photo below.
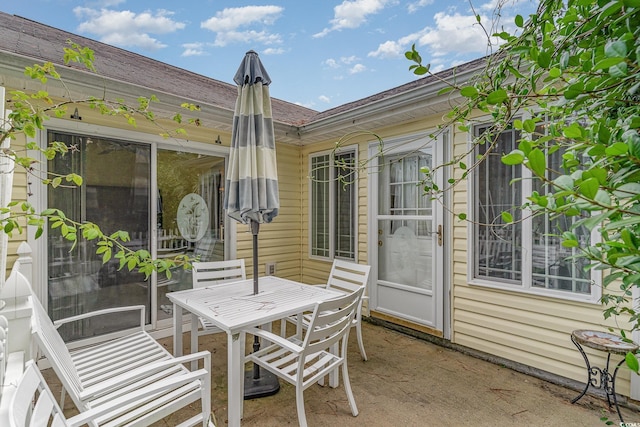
pixel 178 211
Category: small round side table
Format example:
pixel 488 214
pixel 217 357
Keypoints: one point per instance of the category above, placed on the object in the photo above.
pixel 601 377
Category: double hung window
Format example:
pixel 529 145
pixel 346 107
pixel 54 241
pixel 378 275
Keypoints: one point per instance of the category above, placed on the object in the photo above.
pixel 333 205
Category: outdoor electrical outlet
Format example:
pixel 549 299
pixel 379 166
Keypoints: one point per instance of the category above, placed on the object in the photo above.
pixel 270 268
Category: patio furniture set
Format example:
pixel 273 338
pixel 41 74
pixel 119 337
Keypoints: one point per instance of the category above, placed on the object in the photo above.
pixel 133 379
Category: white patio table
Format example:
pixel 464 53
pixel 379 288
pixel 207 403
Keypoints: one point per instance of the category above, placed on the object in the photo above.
pixel 233 307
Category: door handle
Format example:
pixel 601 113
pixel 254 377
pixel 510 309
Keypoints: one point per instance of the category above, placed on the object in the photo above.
pixel 440 238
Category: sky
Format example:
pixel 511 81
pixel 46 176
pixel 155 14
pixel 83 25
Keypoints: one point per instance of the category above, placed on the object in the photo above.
pixel 319 54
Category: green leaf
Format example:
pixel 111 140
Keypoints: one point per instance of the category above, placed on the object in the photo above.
pixel 497 97
pixel 615 49
pixel 617 149
pixel 469 92
pixel 516 157
pixel 632 362
pixel 544 59
pixel 608 62
pixel 589 188
pixel 519 21
pixel 507 217
pixel 619 70
pixel 574 90
pixel 573 131
pixel 537 162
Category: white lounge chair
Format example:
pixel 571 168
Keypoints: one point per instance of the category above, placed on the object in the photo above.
pixel 345 277
pixel 33 404
pixel 102 373
pixel 304 363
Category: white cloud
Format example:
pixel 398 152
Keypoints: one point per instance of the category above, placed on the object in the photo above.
pixel 395 48
pixel 227 23
pixel 413 7
pixel 223 39
pixel 126 28
pixel 273 51
pixel 352 14
pixel 455 34
pixel 332 63
pixel 324 99
pixel 193 49
pixel 348 59
pixel 358 68
pixel 502 4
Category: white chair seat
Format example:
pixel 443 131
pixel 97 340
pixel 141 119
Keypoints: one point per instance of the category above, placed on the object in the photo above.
pixel 33 404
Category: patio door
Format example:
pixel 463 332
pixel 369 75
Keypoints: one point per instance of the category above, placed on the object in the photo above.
pixel 407 234
pixel 170 203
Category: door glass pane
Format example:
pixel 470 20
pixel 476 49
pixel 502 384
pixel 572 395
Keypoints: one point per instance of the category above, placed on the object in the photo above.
pixel 190 216
pixel 114 195
pixel 405 252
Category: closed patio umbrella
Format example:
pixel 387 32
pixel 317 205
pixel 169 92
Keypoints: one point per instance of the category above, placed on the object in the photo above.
pixel 251 195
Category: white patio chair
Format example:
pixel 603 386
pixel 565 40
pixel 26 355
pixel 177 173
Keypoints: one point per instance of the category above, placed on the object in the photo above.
pixel 212 273
pixel 33 404
pixel 345 277
pixel 304 363
pixel 101 373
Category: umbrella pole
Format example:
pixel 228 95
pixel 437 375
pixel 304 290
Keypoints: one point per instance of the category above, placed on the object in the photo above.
pixel 255 385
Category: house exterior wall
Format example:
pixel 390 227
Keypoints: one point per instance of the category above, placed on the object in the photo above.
pixel 525 328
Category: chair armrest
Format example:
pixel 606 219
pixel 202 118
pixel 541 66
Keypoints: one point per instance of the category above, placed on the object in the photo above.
pixel 119 405
pixel 106 387
pixel 141 308
pixel 277 339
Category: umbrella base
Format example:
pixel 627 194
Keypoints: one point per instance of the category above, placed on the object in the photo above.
pixel 267 384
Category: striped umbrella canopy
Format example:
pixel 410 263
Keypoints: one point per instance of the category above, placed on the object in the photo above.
pixel 251 190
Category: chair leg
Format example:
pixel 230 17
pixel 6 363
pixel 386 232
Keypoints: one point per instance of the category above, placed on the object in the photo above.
pixel 302 417
pixel 347 388
pixel 360 341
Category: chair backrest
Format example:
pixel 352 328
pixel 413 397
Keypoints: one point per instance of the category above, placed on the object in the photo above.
pixel 32 403
pixel 215 272
pixel 348 276
pixel 52 345
pixel 331 321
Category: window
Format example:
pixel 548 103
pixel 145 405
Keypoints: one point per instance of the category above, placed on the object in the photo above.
pixel 333 205
pixel 527 253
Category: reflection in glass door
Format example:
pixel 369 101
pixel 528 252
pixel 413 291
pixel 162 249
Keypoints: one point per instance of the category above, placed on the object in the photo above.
pixel 114 195
pixel 190 219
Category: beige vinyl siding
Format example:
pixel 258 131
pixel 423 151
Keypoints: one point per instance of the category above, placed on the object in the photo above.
pixel 280 240
pixel 529 329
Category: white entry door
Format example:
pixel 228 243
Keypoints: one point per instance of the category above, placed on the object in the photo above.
pixel 406 233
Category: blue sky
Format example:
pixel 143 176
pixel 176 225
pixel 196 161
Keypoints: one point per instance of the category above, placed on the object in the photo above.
pixel 319 54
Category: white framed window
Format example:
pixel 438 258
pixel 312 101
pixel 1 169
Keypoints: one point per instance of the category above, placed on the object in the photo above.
pixel 333 204
pixel 526 254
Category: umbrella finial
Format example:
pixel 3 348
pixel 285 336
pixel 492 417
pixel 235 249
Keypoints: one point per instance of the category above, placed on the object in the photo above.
pixel 251 70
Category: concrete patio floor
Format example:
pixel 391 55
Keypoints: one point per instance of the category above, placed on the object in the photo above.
pixel 411 382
